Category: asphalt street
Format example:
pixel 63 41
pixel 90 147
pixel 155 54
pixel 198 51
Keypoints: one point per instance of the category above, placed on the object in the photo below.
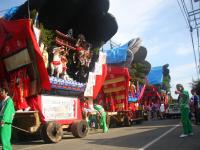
pixel 150 135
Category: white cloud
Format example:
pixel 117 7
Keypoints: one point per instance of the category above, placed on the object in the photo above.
pixel 143 18
pixel 183 74
pixel 134 16
pixel 153 51
pixel 184 50
pixel 183 70
pixel 186 82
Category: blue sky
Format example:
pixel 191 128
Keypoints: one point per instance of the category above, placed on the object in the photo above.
pixel 162 28
pixel 5 4
pixel 164 32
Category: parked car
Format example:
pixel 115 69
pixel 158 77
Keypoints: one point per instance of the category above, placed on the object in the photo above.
pixel 173 111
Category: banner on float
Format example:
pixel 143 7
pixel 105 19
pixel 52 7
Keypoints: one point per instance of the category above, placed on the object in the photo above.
pixel 58 107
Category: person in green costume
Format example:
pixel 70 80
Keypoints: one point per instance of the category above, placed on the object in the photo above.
pixel 102 113
pixel 184 105
pixel 7 112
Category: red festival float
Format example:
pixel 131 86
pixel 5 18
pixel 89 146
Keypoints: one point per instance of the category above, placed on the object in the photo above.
pixel 114 96
pixel 114 91
pixel 155 97
pixel 41 108
pixel 46 97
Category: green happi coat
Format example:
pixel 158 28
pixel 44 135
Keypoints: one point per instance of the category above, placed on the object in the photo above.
pixel 100 109
pixel 6 117
pixel 184 104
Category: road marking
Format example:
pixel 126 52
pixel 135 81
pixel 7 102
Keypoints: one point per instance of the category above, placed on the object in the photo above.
pixel 158 138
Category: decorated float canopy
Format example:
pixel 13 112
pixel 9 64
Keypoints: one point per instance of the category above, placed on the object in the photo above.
pixel 88 17
pixel 155 75
pixel 19 50
pixel 132 56
pixel 156 82
pixel 160 76
pixel 125 54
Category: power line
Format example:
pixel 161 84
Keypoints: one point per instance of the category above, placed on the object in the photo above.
pixel 195 58
pixel 196 27
pixel 191 21
pixel 182 11
pixel 195 21
pixel 185 10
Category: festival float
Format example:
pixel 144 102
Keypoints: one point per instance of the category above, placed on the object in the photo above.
pixel 119 92
pixel 47 75
pixel 157 91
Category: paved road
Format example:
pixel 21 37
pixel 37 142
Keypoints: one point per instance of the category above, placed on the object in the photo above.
pixel 150 135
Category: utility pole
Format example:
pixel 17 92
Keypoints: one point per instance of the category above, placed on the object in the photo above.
pixel 191 12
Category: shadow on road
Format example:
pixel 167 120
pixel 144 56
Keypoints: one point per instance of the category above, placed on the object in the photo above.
pixel 135 140
pixel 147 133
pixel 135 136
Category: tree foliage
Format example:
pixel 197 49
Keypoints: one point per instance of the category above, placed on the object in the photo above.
pixel 138 71
pixel 196 86
pixel 166 78
pixel 166 83
pixel 47 37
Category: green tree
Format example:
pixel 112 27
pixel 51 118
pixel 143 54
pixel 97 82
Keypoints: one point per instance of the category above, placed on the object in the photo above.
pixel 196 86
pixel 139 71
pixel 47 37
pixel 166 82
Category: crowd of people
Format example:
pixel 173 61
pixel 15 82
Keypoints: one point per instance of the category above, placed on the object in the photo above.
pixel 194 107
pixel 158 109
pixel 189 109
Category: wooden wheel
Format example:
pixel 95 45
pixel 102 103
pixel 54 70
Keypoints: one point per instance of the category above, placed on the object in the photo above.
pixel 51 132
pixel 79 128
